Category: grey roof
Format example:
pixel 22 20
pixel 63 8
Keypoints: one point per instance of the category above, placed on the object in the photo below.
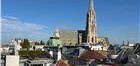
pixel 68 34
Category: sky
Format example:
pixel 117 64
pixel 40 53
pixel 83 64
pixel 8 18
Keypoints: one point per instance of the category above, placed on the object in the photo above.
pixel 37 19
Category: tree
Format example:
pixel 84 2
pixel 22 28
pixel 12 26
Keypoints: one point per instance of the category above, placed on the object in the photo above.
pixel 25 44
pixel 42 43
pixel 37 43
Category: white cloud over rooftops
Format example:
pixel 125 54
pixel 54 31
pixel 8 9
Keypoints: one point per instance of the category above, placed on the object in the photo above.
pixel 14 28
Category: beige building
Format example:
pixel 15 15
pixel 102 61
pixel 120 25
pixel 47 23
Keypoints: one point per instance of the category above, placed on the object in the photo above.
pixel 85 36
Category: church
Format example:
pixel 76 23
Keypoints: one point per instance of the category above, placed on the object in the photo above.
pixel 87 36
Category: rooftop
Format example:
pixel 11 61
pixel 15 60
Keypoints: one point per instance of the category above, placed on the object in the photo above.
pixel 61 63
pixel 91 54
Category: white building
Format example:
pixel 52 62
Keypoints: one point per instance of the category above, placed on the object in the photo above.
pixel 16 43
pixel 98 47
pixel 39 47
pixel 12 60
pixel 4 49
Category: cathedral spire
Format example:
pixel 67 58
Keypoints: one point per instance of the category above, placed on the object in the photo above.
pixel 91 6
pixel 91 24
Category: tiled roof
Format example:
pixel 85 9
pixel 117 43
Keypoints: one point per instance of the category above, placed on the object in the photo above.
pixel 69 36
pixel 92 55
pixel 104 53
pixel 61 63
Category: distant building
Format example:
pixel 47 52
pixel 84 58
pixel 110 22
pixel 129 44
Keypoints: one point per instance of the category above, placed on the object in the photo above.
pixel 39 62
pixel 34 46
pixel 87 57
pixel 39 47
pixel 84 36
pixel 12 47
pixel 55 40
pixel 16 43
pixel 4 49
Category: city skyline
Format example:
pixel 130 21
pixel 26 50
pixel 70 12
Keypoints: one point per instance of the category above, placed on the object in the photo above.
pixel 37 20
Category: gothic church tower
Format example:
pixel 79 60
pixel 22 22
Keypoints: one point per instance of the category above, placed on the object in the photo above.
pixel 91 24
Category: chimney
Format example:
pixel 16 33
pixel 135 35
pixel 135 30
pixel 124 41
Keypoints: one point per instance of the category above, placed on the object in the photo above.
pixel 51 53
pixel 59 54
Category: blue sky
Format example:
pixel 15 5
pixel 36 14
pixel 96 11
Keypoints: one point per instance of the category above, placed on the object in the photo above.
pixel 36 19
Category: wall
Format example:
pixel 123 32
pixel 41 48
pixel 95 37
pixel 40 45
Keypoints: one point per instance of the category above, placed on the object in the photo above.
pixel 12 60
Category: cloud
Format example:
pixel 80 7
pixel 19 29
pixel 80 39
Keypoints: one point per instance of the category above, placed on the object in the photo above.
pixel 14 28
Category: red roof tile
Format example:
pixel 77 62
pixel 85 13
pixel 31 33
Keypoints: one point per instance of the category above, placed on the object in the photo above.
pixel 92 55
pixel 61 63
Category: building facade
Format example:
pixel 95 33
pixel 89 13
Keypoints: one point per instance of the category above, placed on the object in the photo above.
pixel 85 36
pixel 91 24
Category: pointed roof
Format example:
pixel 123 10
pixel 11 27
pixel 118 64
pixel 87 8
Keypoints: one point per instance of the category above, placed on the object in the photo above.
pixel 61 63
pixel 91 5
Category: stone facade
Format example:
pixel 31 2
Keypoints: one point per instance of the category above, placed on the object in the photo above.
pixel 91 24
pixel 85 36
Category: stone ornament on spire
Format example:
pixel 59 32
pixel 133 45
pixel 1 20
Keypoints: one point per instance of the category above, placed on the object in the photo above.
pixel 56 34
